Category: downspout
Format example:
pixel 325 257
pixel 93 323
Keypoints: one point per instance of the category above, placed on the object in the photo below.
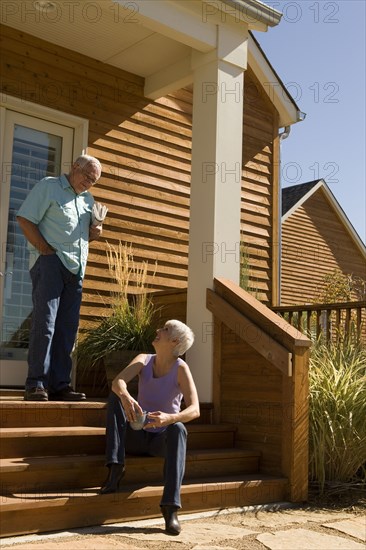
pixel 282 135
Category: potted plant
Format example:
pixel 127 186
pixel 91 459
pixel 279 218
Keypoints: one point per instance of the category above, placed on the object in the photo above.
pixel 129 327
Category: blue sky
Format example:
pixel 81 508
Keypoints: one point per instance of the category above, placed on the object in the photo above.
pixel 318 50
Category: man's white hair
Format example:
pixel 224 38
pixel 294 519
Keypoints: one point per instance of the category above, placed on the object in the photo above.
pixel 83 160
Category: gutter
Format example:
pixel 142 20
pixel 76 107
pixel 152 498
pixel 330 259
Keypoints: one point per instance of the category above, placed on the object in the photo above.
pixel 256 10
pixel 286 132
pixel 282 136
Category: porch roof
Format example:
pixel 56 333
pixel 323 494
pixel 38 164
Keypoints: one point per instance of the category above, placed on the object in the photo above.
pixel 152 39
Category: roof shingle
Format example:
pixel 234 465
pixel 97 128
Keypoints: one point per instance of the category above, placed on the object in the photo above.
pixel 293 194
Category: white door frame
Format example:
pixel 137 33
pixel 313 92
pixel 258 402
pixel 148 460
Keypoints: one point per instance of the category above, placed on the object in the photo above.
pixel 13 373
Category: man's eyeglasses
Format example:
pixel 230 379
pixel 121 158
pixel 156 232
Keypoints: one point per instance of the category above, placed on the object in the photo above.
pixel 87 178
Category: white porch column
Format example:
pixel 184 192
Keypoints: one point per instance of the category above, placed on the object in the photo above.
pixel 215 187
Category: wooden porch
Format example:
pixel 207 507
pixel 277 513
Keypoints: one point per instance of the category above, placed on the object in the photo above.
pixel 249 446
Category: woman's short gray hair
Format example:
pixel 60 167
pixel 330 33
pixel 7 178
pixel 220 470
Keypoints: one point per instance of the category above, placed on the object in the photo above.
pixel 180 331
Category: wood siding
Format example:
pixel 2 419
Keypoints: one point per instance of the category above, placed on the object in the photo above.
pixel 259 208
pixel 144 147
pixel 314 244
pixel 251 398
pixel 145 150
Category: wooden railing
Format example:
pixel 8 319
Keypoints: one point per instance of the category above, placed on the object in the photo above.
pixel 329 321
pixel 260 382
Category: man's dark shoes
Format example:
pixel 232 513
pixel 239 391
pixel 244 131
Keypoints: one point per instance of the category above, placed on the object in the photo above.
pixel 172 525
pixel 67 394
pixel 115 474
pixel 35 394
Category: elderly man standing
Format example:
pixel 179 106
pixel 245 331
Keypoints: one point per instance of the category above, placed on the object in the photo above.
pixel 56 219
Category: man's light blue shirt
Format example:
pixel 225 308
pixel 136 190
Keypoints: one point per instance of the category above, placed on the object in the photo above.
pixel 63 218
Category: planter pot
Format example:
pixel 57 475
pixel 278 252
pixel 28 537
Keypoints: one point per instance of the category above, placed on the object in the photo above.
pixel 116 361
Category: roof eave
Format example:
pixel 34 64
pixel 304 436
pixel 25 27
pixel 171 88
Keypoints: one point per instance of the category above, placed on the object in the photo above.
pixel 337 208
pixel 256 11
pixel 288 110
pixel 344 218
pixel 303 199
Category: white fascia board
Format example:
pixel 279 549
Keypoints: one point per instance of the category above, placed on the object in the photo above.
pixel 344 219
pixel 258 15
pixel 275 90
pixel 174 20
pixel 302 200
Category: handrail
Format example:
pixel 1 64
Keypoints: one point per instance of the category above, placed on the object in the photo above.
pixel 323 307
pixel 271 350
pixel 272 337
pixel 331 321
pixel 259 314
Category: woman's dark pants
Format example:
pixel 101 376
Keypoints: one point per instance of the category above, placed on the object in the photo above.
pixel 171 444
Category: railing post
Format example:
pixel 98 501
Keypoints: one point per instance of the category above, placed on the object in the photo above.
pixel 299 320
pixel 348 321
pixel 318 323
pixel 328 314
pixel 295 426
pixel 308 321
pixel 359 322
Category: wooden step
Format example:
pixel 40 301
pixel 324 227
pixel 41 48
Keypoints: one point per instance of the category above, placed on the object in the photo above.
pixel 36 513
pixel 58 440
pixel 16 413
pixel 211 436
pixel 6 393
pixel 55 473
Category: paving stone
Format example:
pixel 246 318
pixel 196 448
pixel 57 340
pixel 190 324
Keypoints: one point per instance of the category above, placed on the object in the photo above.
pixel 267 520
pixel 87 543
pixel 356 527
pixel 199 533
pixel 311 540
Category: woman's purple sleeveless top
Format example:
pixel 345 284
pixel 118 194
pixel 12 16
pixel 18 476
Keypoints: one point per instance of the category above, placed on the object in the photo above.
pixel 159 394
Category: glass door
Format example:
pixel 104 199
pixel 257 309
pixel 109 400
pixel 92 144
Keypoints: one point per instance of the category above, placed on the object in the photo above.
pixel 34 148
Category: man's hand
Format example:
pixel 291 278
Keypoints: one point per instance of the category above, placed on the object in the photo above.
pixel 34 236
pixel 47 250
pixel 95 232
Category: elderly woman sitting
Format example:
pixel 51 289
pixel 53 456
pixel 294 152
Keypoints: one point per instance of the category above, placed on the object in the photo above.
pixel 164 380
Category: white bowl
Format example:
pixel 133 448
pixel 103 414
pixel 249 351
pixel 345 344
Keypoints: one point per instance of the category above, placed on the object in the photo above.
pixel 139 423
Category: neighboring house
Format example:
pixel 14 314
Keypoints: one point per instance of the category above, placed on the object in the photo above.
pixel 317 239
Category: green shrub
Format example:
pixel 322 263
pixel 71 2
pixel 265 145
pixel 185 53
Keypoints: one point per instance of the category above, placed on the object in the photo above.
pixel 130 322
pixel 337 413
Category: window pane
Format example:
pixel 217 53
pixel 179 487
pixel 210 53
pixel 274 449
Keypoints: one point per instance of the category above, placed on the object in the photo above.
pixel 35 155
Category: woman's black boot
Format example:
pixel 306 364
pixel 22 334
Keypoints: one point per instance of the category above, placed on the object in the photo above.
pixel 115 474
pixel 172 525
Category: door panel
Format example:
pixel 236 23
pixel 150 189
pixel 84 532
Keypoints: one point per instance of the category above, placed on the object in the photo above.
pixel 34 148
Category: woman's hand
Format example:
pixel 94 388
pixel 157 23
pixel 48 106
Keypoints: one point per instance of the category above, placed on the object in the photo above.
pixel 159 419
pixel 131 407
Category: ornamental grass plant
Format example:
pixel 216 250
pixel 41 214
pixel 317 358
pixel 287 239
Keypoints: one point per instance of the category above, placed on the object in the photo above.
pixel 129 324
pixel 338 415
